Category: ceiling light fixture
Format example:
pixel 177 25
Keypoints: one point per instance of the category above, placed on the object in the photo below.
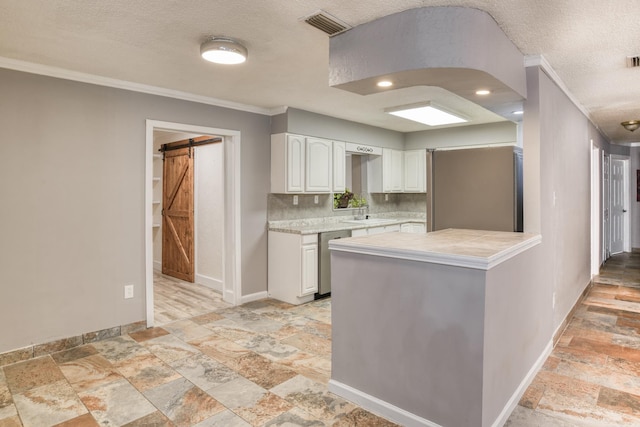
pixel 223 50
pixel 518 112
pixel 483 92
pixel 427 113
pixel 631 125
pixel 384 83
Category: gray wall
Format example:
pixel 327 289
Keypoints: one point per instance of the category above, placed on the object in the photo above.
pixel 557 162
pixel 462 136
pixel 410 333
pixel 72 185
pixel 311 124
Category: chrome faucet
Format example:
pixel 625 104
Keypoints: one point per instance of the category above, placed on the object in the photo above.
pixel 361 212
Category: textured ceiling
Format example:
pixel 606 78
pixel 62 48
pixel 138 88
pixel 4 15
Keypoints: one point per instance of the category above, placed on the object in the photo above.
pixel 156 42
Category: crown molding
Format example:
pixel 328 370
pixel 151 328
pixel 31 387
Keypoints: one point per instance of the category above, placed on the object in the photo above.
pixel 62 73
pixel 541 61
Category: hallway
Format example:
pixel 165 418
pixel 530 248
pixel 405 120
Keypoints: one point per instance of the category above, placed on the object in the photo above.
pixel 592 377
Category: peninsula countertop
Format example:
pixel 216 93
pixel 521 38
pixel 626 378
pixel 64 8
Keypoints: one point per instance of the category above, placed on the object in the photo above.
pixel 476 249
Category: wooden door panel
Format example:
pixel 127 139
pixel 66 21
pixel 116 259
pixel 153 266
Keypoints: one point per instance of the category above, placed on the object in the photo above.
pixel 177 219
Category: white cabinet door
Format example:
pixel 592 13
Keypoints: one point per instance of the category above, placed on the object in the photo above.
pixel 391 170
pixel 375 230
pixel 359 232
pixel 295 163
pixel 339 166
pixel 384 173
pixel 396 170
pixel 415 171
pixel 412 227
pixel 309 282
pixel 318 165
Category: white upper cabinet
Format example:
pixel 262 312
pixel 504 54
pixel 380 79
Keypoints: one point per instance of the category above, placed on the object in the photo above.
pixel 385 172
pixel 287 163
pixel 394 183
pixel 339 166
pixel 415 175
pixel 318 165
pixel 301 164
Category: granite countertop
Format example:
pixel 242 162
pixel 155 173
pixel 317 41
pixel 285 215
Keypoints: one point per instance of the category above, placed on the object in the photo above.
pixel 464 248
pixel 322 225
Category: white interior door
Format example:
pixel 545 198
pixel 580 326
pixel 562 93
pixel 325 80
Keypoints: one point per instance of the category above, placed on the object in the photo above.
pixel 618 208
pixel 606 218
pixel 595 210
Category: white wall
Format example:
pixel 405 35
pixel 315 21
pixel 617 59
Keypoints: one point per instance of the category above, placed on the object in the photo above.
pixel 209 214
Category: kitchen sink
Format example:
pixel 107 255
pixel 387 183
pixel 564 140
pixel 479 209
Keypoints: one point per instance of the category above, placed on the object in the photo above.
pixel 370 221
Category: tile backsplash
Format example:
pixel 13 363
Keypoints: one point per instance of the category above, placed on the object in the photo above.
pixel 280 206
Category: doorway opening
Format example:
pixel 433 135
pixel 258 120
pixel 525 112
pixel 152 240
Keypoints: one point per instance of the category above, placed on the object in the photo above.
pixel 228 220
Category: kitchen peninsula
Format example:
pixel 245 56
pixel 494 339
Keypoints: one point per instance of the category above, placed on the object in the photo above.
pixel 436 329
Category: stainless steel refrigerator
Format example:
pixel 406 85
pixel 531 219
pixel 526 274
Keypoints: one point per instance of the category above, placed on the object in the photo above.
pixel 475 188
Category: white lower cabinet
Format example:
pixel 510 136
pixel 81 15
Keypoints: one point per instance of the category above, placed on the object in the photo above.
pixel 375 230
pixel 293 267
pixel 413 227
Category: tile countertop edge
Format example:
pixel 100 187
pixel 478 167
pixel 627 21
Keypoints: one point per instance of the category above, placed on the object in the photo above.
pixel 455 260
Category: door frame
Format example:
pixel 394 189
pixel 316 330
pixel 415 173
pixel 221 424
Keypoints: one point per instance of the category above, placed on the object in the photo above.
pixel 232 279
pixel 626 244
pixel 596 210
pixel 606 211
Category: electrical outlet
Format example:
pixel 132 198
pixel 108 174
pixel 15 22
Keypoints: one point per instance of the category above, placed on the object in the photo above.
pixel 128 291
pixel 386 197
pixel 295 200
pixel 315 199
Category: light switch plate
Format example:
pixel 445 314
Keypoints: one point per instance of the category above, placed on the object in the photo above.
pixel 295 200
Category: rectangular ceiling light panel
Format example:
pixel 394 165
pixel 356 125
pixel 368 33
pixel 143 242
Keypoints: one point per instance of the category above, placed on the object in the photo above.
pixel 427 114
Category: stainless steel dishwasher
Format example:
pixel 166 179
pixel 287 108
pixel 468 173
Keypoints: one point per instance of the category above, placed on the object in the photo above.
pixel 324 260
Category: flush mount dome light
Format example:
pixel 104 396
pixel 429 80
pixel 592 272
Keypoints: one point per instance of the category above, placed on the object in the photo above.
pixel 223 50
pixel 426 113
pixel 384 83
pixel 631 125
pixel 483 92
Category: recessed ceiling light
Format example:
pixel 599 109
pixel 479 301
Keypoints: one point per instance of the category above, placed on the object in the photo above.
pixel 384 83
pixel 223 50
pixel 426 113
pixel 517 113
pixel 483 92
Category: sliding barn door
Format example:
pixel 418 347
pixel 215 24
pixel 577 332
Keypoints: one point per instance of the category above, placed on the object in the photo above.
pixel 177 219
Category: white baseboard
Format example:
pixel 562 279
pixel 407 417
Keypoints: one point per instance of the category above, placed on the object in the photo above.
pixel 209 282
pixel 253 297
pixel 379 407
pixel 515 397
pixel 157 266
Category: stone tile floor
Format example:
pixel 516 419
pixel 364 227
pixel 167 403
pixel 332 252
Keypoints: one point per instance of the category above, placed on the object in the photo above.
pixel 268 363
pixel 592 377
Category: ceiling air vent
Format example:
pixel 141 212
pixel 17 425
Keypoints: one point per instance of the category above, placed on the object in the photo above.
pixel 327 23
pixel 633 61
